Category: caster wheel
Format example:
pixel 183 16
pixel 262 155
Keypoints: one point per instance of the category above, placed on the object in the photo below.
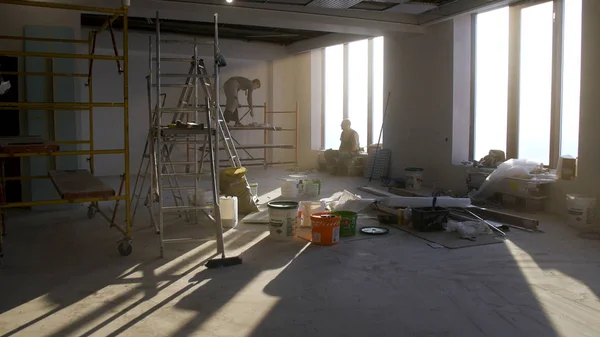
pixel 125 248
pixel 91 213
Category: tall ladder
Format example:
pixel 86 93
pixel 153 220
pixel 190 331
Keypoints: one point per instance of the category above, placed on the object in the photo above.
pixel 221 125
pixel 165 139
pixel 141 190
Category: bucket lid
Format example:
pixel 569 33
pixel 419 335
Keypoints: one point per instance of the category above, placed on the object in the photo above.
pixel 283 204
pixel 414 169
pixel 346 213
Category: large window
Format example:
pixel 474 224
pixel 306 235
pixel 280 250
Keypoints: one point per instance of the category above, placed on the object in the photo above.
pixel 521 105
pixel 491 81
pixel 353 78
pixel 334 92
pixel 571 79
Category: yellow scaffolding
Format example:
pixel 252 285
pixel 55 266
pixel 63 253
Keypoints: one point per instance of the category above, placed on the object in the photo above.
pixel 96 191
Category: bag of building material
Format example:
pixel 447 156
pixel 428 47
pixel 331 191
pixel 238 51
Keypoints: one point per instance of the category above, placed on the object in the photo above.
pixel 232 181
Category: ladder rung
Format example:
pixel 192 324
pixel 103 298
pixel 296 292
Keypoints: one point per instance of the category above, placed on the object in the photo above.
pixel 185 208
pixel 183 174
pixel 183 110
pixel 175 59
pixel 170 85
pixel 175 41
pixel 178 162
pixel 179 188
pixel 184 75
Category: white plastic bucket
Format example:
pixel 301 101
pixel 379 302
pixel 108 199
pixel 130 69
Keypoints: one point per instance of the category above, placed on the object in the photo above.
pixel 290 188
pixel 414 178
pixel 283 218
pixel 581 210
pixel 312 188
pixel 308 208
pixel 229 211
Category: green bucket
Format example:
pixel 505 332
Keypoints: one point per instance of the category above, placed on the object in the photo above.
pixel 348 223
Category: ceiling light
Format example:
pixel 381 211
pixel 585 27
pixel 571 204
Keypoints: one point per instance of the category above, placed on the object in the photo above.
pixel 229 1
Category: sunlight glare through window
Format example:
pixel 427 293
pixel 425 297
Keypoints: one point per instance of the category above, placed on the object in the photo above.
pixel 491 81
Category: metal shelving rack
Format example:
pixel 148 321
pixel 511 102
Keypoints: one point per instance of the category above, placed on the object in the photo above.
pixel 251 160
pixel 89 188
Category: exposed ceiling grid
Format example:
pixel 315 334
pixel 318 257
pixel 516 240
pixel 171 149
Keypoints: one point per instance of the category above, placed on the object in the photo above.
pixel 411 13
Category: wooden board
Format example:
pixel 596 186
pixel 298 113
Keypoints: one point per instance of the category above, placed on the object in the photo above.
pixel 79 184
pixel 24 144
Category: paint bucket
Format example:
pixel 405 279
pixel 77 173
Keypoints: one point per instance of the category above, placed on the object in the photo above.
pixel 311 188
pixel 325 228
pixel 414 178
pixel 290 188
pixel 229 211
pixel 347 223
pixel 254 189
pixel 283 217
pixel 581 210
pixel 308 208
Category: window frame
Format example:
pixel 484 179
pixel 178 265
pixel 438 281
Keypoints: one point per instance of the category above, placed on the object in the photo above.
pixel 512 138
pixel 370 92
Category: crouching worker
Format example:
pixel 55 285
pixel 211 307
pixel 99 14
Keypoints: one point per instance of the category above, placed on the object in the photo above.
pixel 349 148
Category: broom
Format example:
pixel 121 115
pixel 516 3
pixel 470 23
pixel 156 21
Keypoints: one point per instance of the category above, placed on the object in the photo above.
pixel 223 261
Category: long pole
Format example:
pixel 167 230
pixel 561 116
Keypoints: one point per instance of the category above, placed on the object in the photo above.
pixel 215 159
pixel 380 132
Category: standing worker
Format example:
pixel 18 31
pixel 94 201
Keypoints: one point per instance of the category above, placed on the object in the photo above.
pixel 349 148
pixel 231 88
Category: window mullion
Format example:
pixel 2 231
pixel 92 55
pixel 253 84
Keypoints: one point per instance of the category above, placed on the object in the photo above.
pixel 323 92
pixel 512 139
pixel 346 73
pixel 557 65
pixel 370 95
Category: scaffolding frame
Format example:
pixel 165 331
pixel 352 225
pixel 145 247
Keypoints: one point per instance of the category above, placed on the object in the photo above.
pixel 266 146
pixel 124 245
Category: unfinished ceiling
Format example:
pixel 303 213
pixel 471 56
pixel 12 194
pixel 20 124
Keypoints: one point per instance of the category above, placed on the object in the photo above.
pixel 295 22
pixel 279 36
pixel 424 10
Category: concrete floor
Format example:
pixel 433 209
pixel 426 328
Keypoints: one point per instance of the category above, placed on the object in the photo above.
pixel 64 277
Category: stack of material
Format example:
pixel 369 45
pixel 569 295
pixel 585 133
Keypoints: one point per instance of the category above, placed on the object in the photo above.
pixel 382 163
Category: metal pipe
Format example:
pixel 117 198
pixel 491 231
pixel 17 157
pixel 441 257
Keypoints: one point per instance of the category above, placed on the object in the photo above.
pixel 265 135
pixel 297 134
pixel 60 55
pixel 159 144
pixel 31 73
pixel 61 153
pixel 127 174
pixel 215 159
pixel 61 105
pixel 63 6
pixel 196 137
pixel 91 47
pixel 43 39
pixel 60 201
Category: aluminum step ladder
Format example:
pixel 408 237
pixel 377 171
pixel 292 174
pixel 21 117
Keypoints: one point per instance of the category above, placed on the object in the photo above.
pixel 145 164
pixel 218 118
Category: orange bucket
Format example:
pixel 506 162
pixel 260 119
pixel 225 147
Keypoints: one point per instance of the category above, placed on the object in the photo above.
pixel 325 228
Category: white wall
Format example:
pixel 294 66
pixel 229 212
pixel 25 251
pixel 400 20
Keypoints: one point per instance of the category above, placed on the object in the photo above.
pixel 291 84
pixel 418 72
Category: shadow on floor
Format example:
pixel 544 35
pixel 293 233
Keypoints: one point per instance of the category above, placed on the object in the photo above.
pixel 45 268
